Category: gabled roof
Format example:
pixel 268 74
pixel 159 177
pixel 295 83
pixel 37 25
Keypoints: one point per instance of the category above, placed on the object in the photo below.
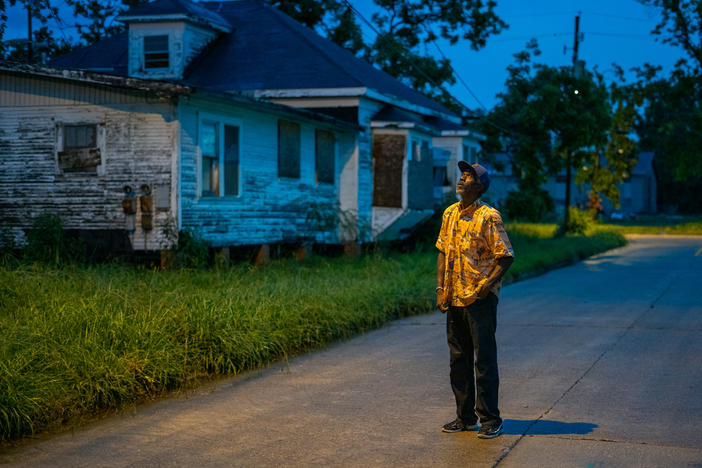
pixel 175 9
pixel 266 50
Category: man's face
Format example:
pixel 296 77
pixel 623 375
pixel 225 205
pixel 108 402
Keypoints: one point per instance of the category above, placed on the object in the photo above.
pixel 468 186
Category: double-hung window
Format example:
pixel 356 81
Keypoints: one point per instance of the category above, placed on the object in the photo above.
pixel 324 157
pixel 219 158
pixel 156 51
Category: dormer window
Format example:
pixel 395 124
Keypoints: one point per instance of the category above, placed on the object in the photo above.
pixel 156 52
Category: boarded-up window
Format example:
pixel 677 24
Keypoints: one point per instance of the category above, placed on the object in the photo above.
pixel 388 156
pixel 79 152
pixel 414 156
pixel 156 51
pixel 209 146
pixel 288 149
pixel 231 160
pixel 324 157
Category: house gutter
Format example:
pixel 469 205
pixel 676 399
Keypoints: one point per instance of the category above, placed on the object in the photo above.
pixel 159 89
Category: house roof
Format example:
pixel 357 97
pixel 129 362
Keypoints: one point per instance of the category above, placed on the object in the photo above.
pixel 176 9
pixel 159 89
pixel 164 90
pixel 266 50
pixel 403 118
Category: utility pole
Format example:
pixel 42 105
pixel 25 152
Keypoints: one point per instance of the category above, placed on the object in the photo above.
pixel 30 52
pixel 569 174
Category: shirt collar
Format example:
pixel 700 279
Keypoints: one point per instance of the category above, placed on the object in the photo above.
pixel 470 209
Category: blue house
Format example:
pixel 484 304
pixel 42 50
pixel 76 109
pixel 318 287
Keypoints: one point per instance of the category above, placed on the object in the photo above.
pixel 229 118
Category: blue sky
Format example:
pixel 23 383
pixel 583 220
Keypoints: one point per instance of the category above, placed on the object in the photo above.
pixel 613 31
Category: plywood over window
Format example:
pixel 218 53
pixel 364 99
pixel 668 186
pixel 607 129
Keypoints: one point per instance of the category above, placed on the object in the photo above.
pixel 388 156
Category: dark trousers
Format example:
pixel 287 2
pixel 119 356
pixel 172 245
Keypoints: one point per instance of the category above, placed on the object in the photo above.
pixel 471 339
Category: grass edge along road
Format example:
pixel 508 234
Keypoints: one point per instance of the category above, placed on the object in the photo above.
pixel 81 340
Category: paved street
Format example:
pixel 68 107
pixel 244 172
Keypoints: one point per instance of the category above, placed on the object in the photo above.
pixel 600 362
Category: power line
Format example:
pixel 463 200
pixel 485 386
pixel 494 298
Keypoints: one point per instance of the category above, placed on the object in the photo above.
pixel 629 18
pixel 633 36
pixel 521 38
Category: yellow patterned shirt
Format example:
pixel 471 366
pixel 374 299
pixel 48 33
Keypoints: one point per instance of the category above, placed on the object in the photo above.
pixel 472 240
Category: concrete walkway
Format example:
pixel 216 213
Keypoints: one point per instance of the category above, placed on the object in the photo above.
pixel 601 365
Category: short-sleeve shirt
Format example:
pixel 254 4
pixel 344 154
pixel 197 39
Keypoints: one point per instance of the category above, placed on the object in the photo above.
pixel 472 240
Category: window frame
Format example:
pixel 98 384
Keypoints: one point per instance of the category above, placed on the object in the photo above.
pixel 60 146
pixel 167 52
pixel 220 123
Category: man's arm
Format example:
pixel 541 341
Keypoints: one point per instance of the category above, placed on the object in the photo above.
pixel 496 274
pixel 440 270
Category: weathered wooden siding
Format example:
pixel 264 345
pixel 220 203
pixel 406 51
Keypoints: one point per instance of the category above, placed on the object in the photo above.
pixel 366 110
pixel 137 141
pixel 420 181
pixel 268 208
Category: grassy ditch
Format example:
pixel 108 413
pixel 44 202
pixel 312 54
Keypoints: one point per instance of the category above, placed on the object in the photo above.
pixel 80 340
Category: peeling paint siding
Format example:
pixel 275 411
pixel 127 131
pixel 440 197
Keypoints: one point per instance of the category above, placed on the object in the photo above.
pixel 138 147
pixel 268 208
pixel 366 110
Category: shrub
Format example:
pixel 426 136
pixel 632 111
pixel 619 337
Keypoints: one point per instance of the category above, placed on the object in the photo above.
pixel 193 249
pixel 528 204
pixel 579 221
pixel 47 242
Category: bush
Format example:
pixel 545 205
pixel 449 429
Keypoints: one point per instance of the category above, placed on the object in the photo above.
pixel 579 221
pixel 193 250
pixel 47 242
pixel 528 204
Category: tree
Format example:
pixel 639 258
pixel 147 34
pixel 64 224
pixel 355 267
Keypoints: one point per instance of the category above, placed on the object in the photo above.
pixel 670 122
pixel 404 30
pixel 549 120
pixel 608 165
pixel 44 43
pixel 93 20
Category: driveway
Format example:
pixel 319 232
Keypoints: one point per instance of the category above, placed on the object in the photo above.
pixel 600 362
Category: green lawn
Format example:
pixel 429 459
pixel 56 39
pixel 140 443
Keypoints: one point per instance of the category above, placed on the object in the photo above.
pixel 78 340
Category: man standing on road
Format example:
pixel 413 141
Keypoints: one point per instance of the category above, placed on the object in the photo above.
pixel 474 255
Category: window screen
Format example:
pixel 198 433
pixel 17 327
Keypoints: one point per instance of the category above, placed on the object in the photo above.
pixel 288 149
pixel 324 157
pixel 156 51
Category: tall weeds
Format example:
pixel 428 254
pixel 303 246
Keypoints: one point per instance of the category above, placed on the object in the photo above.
pixel 79 339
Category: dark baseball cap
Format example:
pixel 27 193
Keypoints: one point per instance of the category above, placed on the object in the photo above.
pixel 479 172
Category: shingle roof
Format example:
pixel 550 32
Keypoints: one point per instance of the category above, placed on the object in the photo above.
pixel 176 7
pixel 108 55
pixel 267 50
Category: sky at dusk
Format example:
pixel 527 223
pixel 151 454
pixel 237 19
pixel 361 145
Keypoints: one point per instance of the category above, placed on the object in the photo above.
pixel 612 30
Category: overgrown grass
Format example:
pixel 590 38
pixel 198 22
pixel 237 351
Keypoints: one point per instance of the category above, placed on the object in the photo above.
pixel 657 224
pixel 81 339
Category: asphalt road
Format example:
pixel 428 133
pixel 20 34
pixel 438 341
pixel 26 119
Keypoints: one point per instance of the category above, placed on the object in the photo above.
pixel 600 362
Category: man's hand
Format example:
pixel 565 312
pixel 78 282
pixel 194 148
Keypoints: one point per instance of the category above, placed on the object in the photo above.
pixel 441 302
pixel 483 291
